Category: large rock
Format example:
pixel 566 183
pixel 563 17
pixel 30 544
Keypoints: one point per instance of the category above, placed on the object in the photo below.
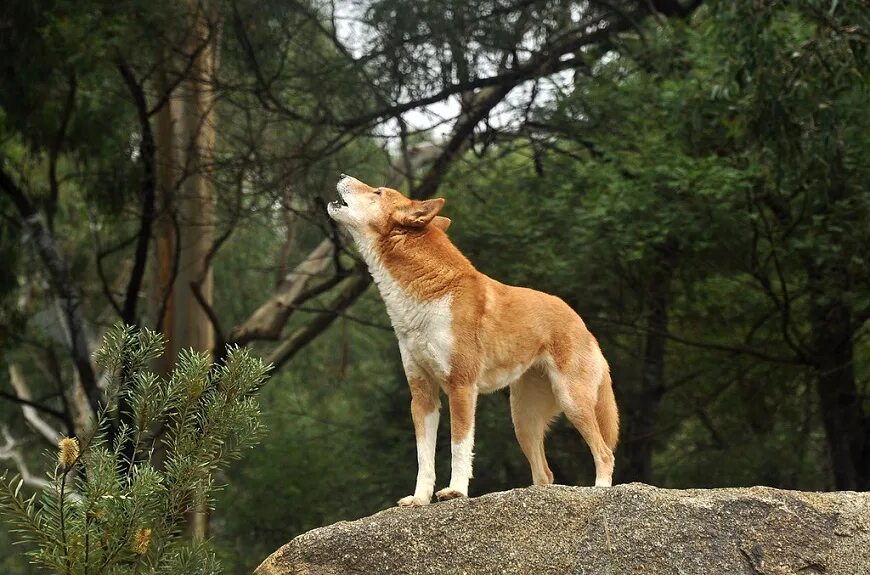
pixel 622 530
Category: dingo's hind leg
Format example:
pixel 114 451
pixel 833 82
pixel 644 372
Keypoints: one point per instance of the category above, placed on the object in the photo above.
pixel 577 395
pixel 533 407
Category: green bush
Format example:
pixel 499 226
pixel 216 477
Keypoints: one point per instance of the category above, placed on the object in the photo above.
pixel 119 496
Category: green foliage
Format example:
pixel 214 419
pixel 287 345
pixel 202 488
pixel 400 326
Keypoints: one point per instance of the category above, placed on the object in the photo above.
pixel 119 496
pixel 661 165
pixel 726 153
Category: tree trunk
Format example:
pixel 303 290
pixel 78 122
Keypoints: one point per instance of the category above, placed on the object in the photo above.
pixel 182 284
pixel 164 258
pixel 846 425
pixel 193 287
pixel 642 409
pixel 195 209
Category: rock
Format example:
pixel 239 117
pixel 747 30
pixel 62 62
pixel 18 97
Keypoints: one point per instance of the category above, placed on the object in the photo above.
pixel 627 529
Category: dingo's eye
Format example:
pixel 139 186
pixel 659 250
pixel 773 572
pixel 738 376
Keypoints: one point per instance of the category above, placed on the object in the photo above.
pixel 378 192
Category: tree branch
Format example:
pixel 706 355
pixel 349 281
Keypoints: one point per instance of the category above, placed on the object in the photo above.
pixel 304 335
pixel 54 151
pixel 733 349
pixel 269 319
pixel 32 404
pixel 49 433
pixel 147 152
pixel 510 78
pixel 480 109
pixel 11 451
pixel 58 274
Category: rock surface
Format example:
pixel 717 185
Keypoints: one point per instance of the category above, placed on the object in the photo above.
pixel 627 529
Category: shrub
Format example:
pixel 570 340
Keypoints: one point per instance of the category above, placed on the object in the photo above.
pixel 120 493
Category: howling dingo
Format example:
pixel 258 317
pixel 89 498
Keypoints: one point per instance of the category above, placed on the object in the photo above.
pixel 465 333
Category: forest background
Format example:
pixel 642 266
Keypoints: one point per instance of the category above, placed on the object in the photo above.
pixel 690 176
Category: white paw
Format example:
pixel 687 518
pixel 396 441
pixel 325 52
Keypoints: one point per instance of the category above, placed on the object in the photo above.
pixel 449 493
pixel 412 501
pixel 603 483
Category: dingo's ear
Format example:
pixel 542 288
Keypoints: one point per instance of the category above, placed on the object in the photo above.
pixel 441 222
pixel 418 214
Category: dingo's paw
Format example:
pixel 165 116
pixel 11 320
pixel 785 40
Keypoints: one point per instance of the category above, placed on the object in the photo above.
pixel 411 501
pixel 449 493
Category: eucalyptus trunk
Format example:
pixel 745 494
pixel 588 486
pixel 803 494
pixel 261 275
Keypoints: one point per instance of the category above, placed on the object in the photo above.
pixel 182 289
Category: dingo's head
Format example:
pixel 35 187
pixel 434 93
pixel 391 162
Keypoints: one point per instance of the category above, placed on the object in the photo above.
pixel 360 207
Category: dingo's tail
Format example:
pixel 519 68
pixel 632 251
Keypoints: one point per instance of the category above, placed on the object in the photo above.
pixel 606 413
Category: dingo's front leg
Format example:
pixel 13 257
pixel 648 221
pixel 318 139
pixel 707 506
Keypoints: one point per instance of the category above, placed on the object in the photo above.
pixel 463 400
pixel 424 412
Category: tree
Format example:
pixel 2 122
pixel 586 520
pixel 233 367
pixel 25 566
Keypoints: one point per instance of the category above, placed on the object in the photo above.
pixel 803 121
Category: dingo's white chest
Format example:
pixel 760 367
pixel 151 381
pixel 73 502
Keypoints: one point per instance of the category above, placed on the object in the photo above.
pixel 425 333
pixel 424 328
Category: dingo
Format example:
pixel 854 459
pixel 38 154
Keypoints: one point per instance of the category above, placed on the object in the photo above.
pixel 466 333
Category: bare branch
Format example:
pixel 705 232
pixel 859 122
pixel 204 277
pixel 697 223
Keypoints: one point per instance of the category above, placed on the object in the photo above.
pixel 50 434
pixel 533 69
pixel 482 105
pixel 32 404
pixel 148 153
pixel 11 451
pixel 269 319
pixel 58 274
pixel 747 350
pixel 304 335
pixel 196 289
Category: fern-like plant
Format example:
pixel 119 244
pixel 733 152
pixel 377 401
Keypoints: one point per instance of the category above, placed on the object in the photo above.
pixel 119 496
